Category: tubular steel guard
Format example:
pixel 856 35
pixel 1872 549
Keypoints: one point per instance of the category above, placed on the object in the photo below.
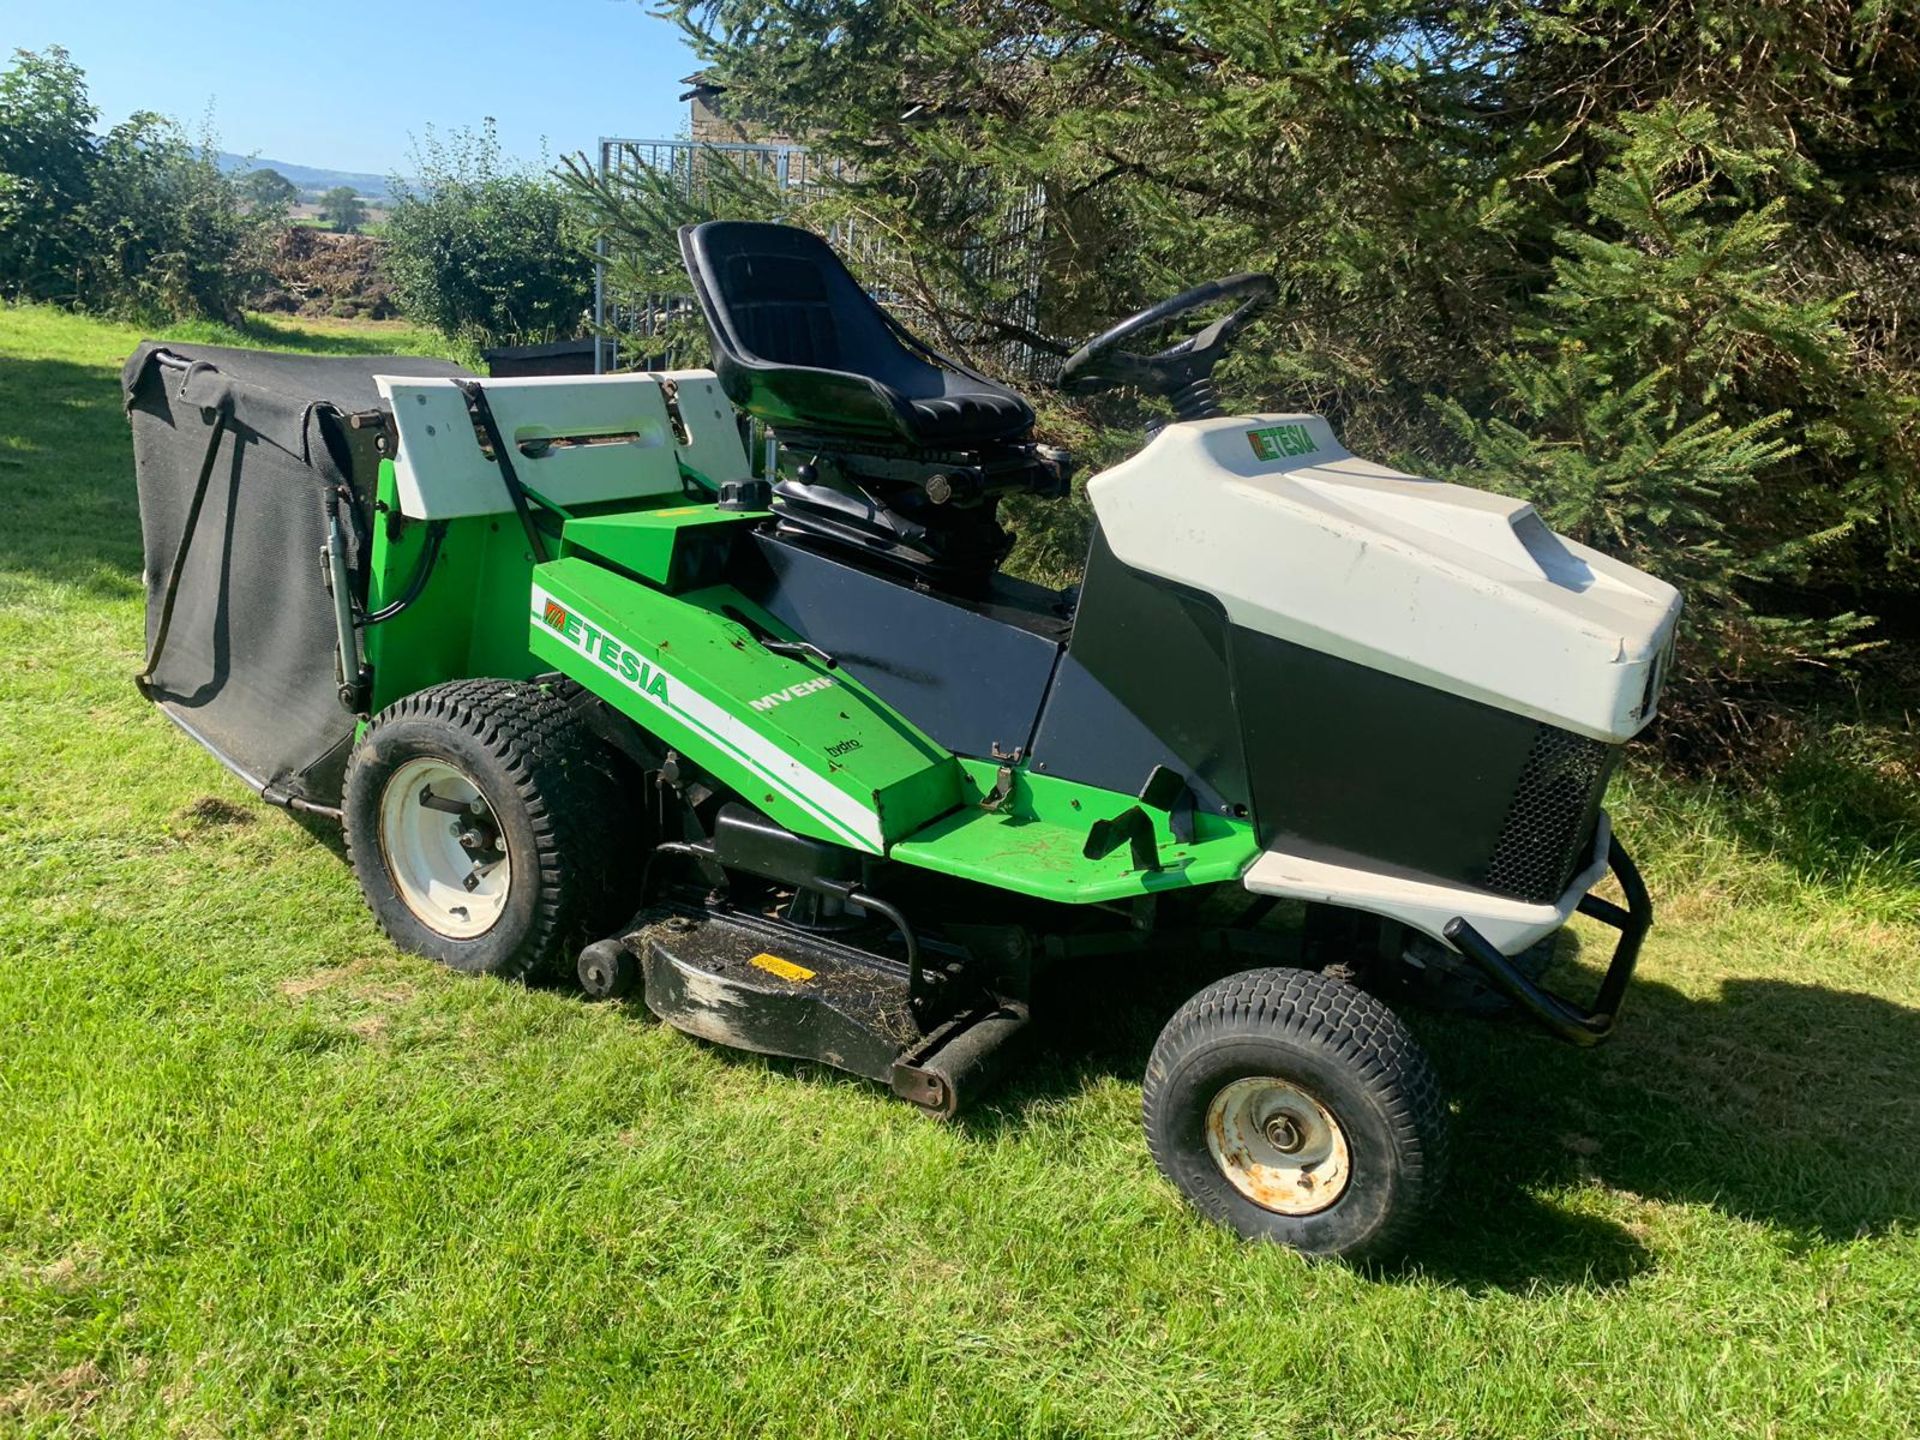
pixel 1555 1013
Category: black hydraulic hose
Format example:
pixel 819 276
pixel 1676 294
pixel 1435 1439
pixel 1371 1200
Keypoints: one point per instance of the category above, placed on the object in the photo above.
pixel 417 582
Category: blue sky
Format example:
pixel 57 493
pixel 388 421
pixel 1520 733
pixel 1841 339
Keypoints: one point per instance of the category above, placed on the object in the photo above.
pixel 346 84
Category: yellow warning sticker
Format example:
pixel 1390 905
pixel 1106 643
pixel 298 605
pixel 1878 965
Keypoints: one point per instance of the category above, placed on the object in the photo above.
pixel 785 969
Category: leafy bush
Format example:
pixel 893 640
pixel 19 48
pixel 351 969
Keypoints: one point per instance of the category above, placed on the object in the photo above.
pixel 140 222
pixel 485 254
pixel 47 158
pixel 166 234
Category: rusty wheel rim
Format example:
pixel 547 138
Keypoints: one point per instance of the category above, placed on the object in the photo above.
pixel 1278 1146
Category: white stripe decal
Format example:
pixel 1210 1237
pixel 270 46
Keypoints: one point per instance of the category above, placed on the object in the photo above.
pixel 827 803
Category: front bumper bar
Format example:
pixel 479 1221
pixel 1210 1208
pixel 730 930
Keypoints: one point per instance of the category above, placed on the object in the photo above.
pixel 1555 1013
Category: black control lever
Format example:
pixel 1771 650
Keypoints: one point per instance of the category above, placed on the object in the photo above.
pixel 797 648
pixel 771 642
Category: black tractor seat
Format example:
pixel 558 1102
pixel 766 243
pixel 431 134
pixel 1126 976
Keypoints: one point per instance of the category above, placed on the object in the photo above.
pixel 890 454
pixel 797 343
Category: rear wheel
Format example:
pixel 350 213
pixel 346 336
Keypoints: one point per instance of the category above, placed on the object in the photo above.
pixel 480 821
pixel 1297 1108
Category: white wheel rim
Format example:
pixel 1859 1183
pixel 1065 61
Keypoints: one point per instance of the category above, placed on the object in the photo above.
pixel 1278 1146
pixel 457 889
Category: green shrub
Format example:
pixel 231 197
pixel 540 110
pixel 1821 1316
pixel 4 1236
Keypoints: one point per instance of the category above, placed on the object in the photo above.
pixel 485 254
pixel 47 161
pixel 165 232
pixel 139 222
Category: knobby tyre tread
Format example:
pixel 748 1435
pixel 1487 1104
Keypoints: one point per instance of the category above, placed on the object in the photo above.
pixel 1302 1018
pixel 555 773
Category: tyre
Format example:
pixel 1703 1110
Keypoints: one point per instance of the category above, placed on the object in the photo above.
pixel 1297 1108
pixel 480 821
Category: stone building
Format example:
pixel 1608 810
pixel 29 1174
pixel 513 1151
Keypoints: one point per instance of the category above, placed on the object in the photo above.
pixel 710 124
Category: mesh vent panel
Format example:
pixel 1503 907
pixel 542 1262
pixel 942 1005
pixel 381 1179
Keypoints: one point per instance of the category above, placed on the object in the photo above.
pixel 1545 837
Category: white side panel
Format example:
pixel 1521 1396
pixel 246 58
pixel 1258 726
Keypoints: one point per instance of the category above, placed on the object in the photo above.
pixel 1509 925
pixel 575 440
pixel 1459 589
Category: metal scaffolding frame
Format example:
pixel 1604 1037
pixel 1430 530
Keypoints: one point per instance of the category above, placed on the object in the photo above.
pixel 798 173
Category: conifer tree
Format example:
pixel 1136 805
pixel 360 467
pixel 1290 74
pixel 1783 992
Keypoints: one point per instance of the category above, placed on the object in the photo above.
pixel 1652 267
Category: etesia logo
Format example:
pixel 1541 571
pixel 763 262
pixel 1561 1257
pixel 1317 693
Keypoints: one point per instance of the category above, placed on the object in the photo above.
pixel 1277 442
pixel 792 692
pixel 596 644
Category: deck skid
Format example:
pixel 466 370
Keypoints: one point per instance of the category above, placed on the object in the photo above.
pixel 754 983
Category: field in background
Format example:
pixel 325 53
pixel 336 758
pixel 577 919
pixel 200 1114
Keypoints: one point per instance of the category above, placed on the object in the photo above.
pixel 261 1173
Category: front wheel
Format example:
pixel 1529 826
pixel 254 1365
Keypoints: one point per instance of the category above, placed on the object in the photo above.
pixel 1297 1108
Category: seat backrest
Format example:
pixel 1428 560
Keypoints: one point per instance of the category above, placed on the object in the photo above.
pixel 799 345
pixel 780 308
pixel 777 295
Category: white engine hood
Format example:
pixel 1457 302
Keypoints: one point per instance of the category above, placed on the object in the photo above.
pixel 1463 590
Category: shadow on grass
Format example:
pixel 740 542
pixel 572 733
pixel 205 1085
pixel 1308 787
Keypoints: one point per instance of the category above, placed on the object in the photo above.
pixel 1777 1103
pixel 287 333
pixel 68 510
pixel 323 832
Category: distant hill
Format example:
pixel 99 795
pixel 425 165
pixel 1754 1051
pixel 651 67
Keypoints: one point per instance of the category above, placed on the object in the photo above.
pixel 311 180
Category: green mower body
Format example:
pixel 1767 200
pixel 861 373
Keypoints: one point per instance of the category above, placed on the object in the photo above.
pixel 786 755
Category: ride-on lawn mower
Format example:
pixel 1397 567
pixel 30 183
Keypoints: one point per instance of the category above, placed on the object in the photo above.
pixel 792 758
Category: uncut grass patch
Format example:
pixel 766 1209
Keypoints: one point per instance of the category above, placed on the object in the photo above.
pixel 259 1173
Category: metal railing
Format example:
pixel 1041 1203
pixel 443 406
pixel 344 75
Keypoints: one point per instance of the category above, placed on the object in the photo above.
pixel 1007 259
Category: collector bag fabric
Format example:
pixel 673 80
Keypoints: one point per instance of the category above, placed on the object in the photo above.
pixel 236 456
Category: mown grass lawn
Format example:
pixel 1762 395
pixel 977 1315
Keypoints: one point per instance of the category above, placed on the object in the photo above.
pixel 261 1173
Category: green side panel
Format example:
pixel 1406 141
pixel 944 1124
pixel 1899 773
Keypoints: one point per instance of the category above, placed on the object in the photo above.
pixel 1034 844
pixel 469 620
pixel 646 542
pixel 812 749
pixel 910 799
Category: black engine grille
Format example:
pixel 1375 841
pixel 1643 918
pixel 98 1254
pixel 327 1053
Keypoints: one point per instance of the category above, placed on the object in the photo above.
pixel 1548 831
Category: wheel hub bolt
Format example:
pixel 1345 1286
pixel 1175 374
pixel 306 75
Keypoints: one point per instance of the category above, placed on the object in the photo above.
pixel 1284 1135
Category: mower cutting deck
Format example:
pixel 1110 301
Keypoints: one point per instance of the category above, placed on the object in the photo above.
pixel 792 759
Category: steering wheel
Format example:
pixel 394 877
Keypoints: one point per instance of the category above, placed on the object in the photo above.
pixel 1182 372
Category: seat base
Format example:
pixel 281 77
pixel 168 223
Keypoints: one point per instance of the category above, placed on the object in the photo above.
pixel 930 516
